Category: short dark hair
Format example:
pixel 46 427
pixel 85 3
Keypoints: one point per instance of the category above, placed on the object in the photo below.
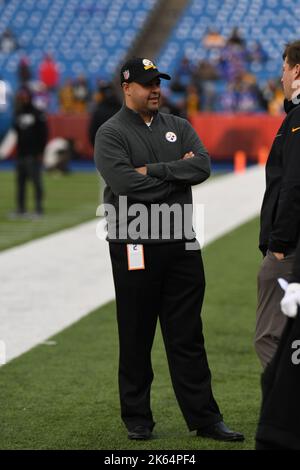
pixel 292 53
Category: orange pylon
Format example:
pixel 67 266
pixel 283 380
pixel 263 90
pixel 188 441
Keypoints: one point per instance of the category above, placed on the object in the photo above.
pixel 240 161
pixel 262 156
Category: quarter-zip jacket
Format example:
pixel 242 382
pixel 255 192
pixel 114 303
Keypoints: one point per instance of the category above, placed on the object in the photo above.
pixel 125 142
pixel 280 213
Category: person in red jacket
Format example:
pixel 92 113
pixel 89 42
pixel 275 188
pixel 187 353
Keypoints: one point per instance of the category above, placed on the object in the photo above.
pixel 49 73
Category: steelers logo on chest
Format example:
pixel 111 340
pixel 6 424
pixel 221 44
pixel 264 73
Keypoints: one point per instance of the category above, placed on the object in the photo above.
pixel 171 136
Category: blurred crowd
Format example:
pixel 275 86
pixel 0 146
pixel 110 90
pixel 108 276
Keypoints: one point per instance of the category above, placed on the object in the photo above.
pixel 224 83
pixel 221 84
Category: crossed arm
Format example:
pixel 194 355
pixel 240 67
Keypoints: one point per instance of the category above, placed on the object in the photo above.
pixel 143 169
pixel 192 168
pixel 155 181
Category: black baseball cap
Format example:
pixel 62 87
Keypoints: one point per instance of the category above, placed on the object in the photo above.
pixel 141 71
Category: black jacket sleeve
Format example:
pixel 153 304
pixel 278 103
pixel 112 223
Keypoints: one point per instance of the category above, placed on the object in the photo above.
pixel 192 171
pixel 113 163
pixel 295 277
pixel 287 222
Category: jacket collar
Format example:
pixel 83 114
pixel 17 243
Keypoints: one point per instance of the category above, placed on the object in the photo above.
pixel 133 116
pixel 289 105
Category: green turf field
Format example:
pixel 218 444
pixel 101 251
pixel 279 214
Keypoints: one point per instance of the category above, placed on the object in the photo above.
pixel 69 200
pixel 65 396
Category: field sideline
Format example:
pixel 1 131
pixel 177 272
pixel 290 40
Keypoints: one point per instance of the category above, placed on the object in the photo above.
pixel 64 395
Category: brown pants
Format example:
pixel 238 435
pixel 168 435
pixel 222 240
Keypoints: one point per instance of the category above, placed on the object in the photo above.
pixel 270 321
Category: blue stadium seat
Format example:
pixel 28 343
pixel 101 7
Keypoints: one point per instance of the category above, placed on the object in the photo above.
pixel 89 36
pixel 271 22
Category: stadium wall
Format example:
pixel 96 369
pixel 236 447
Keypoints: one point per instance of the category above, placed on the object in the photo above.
pixel 222 134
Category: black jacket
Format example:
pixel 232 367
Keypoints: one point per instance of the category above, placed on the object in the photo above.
pixel 295 276
pixel 280 213
pixel 125 142
pixel 280 411
pixel 32 132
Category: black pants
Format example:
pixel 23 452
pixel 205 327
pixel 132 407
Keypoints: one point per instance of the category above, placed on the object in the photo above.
pixel 260 445
pixel 29 169
pixel 278 426
pixel 170 288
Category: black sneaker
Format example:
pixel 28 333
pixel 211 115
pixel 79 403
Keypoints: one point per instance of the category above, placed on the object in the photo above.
pixel 139 433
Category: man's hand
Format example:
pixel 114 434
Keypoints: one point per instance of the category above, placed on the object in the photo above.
pixel 142 170
pixel 188 155
pixel 279 256
pixel 291 300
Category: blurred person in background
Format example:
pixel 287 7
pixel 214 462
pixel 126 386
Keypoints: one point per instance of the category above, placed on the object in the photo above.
pixel 236 38
pixel 49 73
pixel 24 71
pixel 81 94
pixel 256 53
pixel 184 72
pixel 213 39
pixel 273 97
pixel 8 42
pixel 49 76
pixel 108 103
pixel 280 213
pixel 30 126
pixel 66 97
pixel 192 100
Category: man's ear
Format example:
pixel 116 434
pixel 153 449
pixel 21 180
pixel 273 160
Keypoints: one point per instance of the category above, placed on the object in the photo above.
pixel 297 71
pixel 126 88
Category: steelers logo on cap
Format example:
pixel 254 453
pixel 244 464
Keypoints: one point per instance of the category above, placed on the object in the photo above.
pixel 171 137
pixel 148 64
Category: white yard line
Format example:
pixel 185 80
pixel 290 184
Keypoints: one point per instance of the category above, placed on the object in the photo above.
pixel 50 283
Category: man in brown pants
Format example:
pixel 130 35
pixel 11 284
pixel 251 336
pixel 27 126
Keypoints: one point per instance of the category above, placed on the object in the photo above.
pixel 280 213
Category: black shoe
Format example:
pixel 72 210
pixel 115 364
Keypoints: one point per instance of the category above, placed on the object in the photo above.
pixel 220 432
pixel 139 433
